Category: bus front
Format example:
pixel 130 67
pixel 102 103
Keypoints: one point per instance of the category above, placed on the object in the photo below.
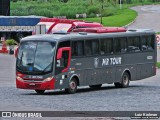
pixel 34 65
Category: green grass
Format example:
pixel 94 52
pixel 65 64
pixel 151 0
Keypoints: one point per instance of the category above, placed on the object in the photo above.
pixel 121 18
pixel 112 15
pixel 158 64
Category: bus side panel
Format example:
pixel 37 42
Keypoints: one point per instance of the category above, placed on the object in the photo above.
pixel 111 76
pixel 147 70
pixel 138 71
pixel 121 69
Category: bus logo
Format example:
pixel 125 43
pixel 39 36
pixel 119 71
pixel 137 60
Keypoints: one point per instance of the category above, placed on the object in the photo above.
pixel 96 61
pixel 6 114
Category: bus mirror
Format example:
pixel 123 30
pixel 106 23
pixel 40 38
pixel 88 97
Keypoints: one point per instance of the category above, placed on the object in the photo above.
pixel 60 63
pixel 64 58
pixel 60 51
pixel 16 52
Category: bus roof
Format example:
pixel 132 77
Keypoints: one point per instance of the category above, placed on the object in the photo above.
pixel 83 35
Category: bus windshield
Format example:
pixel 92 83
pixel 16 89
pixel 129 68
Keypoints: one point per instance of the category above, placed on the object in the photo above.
pixel 35 57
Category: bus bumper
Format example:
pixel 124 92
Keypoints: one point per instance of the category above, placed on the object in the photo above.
pixel 47 85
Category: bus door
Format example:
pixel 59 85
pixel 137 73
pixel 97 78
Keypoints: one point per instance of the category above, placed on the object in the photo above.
pixel 63 57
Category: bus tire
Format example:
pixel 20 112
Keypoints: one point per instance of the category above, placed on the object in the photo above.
pixel 72 86
pixel 124 81
pixel 117 85
pixel 41 92
pixel 95 86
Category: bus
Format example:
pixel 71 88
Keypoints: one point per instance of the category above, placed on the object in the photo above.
pixel 66 61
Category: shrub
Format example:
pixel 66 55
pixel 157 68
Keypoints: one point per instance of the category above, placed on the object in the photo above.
pixel 92 15
pixel 158 64
pixel 10 42
pixel 93 9
pixel 108 12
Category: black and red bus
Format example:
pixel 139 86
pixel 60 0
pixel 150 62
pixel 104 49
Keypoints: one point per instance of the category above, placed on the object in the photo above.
pixel 65 61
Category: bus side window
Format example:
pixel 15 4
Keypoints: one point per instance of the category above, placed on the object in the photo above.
pixel 88 47
pixel 109 46
pixel 95 47
pixel 151 42
pixel 106 46
pixel 120 45
pixel 65 56
pixel 64 44
pixel 123 44
pixel 77 48
pixel 147 43
pixel 92 47
pixel 134 44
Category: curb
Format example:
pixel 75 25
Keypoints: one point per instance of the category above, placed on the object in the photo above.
pixel 126 26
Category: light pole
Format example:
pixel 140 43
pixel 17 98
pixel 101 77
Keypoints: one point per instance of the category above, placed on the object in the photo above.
pixel 120 2
pixel 101 10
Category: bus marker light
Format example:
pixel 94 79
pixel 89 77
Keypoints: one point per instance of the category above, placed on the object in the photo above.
pixel 72 71
pixel 63 76
pixel 48 79
pixel 19 78
pixel 61 82
pixel 149 57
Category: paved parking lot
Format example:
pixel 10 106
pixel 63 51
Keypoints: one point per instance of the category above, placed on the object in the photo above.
pixel 141 95
pixel 148 18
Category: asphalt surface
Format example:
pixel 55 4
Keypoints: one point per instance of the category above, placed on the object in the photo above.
pixel 148 18
pixel 140 96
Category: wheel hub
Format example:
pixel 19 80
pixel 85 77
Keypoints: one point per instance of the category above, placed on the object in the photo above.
pixel 125 79
pixel 73 85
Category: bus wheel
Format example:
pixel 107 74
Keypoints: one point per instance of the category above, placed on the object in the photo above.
pixel 40 92
pixel 124 81
pixel 72 86
pixel 95 86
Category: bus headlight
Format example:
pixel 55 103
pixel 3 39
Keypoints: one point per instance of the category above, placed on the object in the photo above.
pixel 48 79
pixel 19 78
